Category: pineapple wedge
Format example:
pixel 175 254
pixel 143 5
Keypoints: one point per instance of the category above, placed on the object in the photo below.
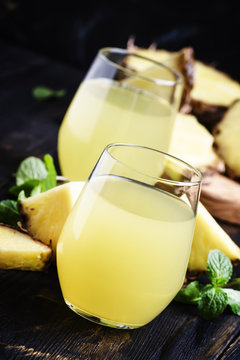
pixel 209 235
pixel 213 87
pixel 227 135
pixel 44 215
pixel 193 143
pixel 213 92
pixel 208 91
pixel 21 252
pixel 182 61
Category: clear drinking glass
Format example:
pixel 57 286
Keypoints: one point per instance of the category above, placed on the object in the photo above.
pixel 124 249
pixel 114 103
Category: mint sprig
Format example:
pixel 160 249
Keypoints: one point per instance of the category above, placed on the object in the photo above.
pixel 213 298
pixel 219 268
pixel 9 213
pixel 33 176
pixel 44 93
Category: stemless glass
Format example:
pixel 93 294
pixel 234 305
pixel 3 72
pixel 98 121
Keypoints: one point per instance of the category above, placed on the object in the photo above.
pixel 117 104
pixel 124 249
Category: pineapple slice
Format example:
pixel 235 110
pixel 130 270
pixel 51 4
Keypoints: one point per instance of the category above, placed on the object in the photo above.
pixel 214 87
pixel 182 61
pixel 212 93
pixel 227 135
pixel 19 251
pixel 209 235
pixel 193 143
pixel 44 215
pixel 208 91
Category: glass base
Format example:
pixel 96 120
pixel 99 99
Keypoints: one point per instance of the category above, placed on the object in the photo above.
pixel 98 320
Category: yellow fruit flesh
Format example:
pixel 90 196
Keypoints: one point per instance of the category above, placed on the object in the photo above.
pixel 192 142
pixel 45 214
pixel 209 235
pixel 48 211
pixel 20 251
pixel 227 138
pixel 213 87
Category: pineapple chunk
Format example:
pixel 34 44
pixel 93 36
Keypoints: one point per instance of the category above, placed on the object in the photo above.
pixel 227 135
pixel 44 214
pixel 19 251
pixel 193 143
pixel 156 55
pixel 208 92
pixel 213 87
pixel 182 61
pixel 209 235
pixel 212 93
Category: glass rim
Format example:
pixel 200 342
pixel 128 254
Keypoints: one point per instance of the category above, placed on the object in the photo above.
pixel 160 179
pixel 179 77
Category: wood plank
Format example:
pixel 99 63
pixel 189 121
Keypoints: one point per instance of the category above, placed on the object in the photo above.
pixel 35 323
pixel 200 339
pixel 233 353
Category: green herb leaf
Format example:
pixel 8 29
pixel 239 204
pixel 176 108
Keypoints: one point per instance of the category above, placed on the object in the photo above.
pixel 9 213
pixel 191 294
pixel 45 93
pixel 36 190
pixel 21 195
pixel 30 168
pixel 27 187
pixel 212 303
pixel 219 268
pixel 233 300
pixel 51 179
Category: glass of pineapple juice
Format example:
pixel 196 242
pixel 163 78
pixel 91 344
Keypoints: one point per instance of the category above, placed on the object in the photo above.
pixel 115 103
pixel 124 249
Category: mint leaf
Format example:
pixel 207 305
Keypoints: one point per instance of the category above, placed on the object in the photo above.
pixel 212 303
pixel 27 187
pixel 233 300
pixel 9 213
pixel 191 294
pixel 219 268
pixel 45 93
pixel 51 179
pixel 30 168
pixel 21 195
pixel 36 190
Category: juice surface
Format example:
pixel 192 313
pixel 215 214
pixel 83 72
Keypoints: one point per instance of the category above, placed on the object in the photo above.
pixel 123 252
pixel 103 112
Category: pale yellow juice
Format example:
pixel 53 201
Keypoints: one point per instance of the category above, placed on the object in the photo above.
pixel 124 250
pixel 104 111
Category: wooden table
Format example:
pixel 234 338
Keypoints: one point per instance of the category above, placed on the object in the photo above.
pixel 34 321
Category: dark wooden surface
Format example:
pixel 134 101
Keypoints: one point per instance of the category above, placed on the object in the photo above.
pixel 34 321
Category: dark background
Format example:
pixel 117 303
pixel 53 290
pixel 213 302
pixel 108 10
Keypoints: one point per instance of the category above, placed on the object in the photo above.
pixel 72 31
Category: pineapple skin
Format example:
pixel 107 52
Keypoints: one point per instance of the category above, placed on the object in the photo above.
pixel 19 251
